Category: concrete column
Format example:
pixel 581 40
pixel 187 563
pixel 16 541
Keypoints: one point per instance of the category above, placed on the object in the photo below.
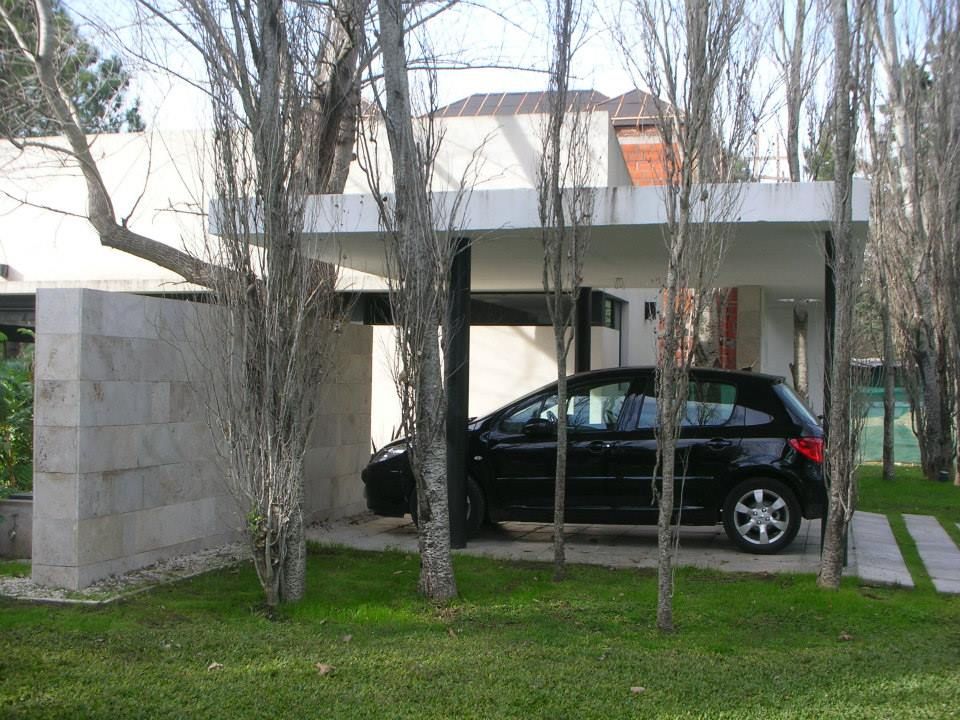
pixel 581 332
pixel 749 327
pixel 458 391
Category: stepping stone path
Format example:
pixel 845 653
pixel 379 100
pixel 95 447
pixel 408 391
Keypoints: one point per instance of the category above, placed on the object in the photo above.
pixel 937 550
pixel 875 551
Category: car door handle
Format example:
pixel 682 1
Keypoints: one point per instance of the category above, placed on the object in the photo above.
pixel 719 444
pixel 598 447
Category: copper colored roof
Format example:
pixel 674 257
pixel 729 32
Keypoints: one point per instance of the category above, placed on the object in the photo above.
pixel 631 109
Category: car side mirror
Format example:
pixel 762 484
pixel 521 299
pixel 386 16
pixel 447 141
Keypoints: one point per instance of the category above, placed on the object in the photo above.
pixel 539 427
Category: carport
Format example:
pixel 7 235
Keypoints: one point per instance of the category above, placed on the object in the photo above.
pixel 780 243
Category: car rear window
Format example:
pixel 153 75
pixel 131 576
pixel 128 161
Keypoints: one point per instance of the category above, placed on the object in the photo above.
pixel 799 412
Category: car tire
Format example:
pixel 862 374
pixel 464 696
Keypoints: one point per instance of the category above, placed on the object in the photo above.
pixel 475 499
pixel 761 515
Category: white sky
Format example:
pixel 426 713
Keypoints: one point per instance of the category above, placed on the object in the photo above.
pixel 512 34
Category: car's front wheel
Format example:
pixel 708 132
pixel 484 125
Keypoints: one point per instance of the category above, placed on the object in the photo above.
pixel 476 507
pixel 761 515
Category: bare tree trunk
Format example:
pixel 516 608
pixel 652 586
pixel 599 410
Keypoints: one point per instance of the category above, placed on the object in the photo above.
pixel 294 570
pixel 671 391
pixel 699 58
pixel 560 477
pixel 565 205
pixel 889 384
pixel 437 581
pixel 799 366
pixel 420 262
pixel 847 263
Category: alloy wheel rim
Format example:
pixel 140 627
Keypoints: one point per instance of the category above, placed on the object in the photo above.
pixel 761 516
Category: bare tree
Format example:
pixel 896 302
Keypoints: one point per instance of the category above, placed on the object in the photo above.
pixel 846 259
pixel 700 58
pixel 922 255
pixel 268 75
pixel 878 137
pixel 798 52
pixel 565 206
pixel 419 259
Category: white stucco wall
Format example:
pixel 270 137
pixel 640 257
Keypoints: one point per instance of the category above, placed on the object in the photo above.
pixel 777 344
pixel 505 363
pixel 497 152
pixel 639 335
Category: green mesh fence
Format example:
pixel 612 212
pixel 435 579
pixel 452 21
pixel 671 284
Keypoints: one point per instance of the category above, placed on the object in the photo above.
pixel 905 448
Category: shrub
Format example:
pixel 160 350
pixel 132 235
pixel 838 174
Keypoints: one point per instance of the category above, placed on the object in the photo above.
pixel 16 421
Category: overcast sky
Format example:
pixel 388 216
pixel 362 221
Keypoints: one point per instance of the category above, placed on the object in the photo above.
pixel 508 33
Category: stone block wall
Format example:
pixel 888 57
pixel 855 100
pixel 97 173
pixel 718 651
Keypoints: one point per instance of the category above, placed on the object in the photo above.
pixel 125 469
pixel 16 521
pixel 340 442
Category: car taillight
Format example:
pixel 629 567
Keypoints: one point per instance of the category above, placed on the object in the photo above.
pixel 810 447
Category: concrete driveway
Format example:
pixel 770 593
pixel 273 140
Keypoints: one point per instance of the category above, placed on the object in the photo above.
pixel 608 545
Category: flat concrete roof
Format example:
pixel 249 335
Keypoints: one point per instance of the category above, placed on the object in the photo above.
pixel 777 238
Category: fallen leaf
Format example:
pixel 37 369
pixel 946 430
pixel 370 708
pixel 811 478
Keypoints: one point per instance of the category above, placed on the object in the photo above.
pixel 347 638
pixel 636 689
pixel 845 636
pixel 215 666
pixel 398 572
pixel 324 669
pixel 451 632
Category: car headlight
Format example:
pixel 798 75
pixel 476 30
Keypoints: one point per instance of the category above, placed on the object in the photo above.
pixel 385 453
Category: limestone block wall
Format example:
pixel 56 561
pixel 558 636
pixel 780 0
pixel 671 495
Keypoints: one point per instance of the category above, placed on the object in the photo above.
pixel 340 442
pixel 125 469
pixel 16 521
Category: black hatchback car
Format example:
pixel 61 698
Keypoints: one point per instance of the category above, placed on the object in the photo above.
pixel 749 455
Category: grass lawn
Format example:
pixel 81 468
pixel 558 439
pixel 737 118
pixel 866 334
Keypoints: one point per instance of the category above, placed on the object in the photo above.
pixel 516 645
pixel 910 492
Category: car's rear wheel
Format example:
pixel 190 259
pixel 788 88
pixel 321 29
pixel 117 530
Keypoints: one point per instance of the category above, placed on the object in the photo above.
pixel 476 507
pixel 761 515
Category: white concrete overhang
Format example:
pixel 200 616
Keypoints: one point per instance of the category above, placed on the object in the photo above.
pixel 777 238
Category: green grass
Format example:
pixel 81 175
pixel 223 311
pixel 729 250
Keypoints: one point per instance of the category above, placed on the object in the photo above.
pixel 516 645
pixel 15 568
pixel 910 492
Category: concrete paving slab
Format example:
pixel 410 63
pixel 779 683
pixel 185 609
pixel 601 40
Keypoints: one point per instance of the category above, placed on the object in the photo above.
pixel 937 550
pixel 874 554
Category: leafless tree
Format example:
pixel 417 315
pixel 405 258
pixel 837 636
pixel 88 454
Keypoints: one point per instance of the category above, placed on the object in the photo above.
pixel 921 97
pixel 797 45
pixel 279 85
pixel 846 259
pixel 700 58
pixel 798 51
pixel 565 206
pixel 878 137
pixel 420 237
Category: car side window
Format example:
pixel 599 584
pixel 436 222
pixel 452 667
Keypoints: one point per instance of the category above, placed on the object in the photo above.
pixel 709 403
pixel 513 423
pixel 591 407
pixel 596 407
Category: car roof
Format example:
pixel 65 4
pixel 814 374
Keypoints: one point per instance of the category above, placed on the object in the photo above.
pixel 632 370
pixel 701 371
